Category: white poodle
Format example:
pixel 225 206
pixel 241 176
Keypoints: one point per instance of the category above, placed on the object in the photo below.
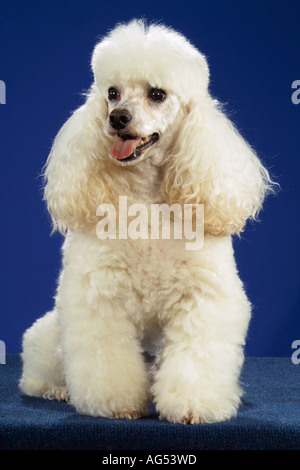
pixel 149 130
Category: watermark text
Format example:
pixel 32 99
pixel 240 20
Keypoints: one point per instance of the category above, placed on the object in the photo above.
pixel 2 352
pixel 296 354
pixel 153 221
pixel 2 92
pixel 296 94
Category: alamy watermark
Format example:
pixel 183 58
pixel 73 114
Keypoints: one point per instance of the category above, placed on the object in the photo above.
pixel 296 94
pixel 153 221
pixel 2 352
pixel 296 354
pixel 2 92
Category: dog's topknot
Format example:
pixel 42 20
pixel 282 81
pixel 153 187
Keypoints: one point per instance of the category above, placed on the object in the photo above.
pixel 153 54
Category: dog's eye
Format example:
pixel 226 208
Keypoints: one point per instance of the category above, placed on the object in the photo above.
pixel 157 95
pixel 113 94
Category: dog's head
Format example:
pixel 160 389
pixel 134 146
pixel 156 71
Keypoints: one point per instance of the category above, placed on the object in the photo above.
pixel 150 100
pixel 137 70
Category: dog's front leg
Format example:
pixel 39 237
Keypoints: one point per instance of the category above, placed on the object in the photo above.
pixel 198 378
pixel 103 363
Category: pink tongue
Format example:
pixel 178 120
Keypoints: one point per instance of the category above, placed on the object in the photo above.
pixel 123 148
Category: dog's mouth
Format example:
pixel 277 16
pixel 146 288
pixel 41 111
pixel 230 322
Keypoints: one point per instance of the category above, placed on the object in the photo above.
pixel 128 148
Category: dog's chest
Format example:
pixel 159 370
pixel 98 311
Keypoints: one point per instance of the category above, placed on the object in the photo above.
pixel 152 271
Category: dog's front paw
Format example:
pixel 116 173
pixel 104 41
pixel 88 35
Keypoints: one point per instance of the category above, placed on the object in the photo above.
pixel 112 408
pixel 121 396
pixel 112 403
pixel 187 410
pixel 193 401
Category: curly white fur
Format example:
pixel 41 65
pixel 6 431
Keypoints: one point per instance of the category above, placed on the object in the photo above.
pixel 118 298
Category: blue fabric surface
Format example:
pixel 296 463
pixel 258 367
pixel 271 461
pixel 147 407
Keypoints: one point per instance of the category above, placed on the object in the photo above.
pixel 268 419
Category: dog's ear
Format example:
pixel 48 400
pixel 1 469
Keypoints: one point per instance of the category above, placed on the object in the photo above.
pixel 212 164
pixel 73 177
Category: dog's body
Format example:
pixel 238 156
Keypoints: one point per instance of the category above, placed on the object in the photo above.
pixel 118 298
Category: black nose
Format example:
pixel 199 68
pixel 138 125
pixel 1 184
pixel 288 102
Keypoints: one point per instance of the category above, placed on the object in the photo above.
pixel 119 118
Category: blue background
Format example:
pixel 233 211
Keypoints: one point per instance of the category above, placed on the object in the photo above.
pixel 253 49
